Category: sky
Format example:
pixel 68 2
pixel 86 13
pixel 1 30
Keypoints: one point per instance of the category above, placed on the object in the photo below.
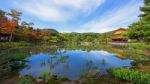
pixel 77 15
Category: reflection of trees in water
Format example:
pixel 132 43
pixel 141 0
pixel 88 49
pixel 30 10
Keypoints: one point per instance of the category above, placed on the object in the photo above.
pixel 104 62
pixel 90 68
pixel 71 46
pixel 43 49
pixel 43 63
pixel 14 55
pixel 56 59
pixel 89 65
pixel 88 48
pixel 63 59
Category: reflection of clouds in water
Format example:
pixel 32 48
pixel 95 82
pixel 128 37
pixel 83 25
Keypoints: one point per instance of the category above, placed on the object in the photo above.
pixel 101 53
pixel 73 63
pixel 38 64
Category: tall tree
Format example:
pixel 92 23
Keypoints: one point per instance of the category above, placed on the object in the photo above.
pixel 14 14
pixel 8 26
pixel 141 29
pixel 3 19
pixel 2 14
pixel 26 24
pixel 15 17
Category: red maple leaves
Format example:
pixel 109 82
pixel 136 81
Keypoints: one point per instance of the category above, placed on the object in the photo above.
pixel 7 26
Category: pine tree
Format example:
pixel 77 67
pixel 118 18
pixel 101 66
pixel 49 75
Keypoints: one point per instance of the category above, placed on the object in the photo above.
pixel 141 29
pixel 145 19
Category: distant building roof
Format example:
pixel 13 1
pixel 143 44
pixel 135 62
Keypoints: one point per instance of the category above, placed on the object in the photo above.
pixel 119 31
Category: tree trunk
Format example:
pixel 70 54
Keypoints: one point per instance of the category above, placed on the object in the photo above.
pixel 10 38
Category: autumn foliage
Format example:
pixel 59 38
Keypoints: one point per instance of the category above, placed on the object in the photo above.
pixel 8 26
pixel 23 31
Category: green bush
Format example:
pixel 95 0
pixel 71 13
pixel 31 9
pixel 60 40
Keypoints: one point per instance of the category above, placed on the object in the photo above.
pixel 13 65
pixel 18 56
pixel 53 81
pixel 139 46
pixel 25 80
pixel 130 75
pixel 64 79
pixel 83 75
pixel 46 75
pixel 7 45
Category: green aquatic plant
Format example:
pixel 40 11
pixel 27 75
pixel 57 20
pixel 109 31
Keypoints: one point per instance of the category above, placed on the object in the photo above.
pixel 54 56
pixel 105 79
pixel 63 59
pixel 18 56
pixel 17 45
pixel 90 73
pixel 15 65
pixel 53 81
pixel 139 46
pixel 25 80
pixel 64 79
pixel 83 75
pixel 134 76
pixel 46 75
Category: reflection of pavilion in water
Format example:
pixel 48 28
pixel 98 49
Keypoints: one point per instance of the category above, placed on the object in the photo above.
pixel 119 53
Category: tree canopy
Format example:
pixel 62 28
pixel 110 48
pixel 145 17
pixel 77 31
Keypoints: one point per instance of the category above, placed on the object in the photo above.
pixel 141 29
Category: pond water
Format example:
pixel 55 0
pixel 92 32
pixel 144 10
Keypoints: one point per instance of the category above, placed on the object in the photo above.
pixel 72 63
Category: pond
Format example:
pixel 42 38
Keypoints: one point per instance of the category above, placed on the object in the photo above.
pixel 72 63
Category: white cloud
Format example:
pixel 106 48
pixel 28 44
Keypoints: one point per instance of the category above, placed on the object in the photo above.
pixel 58 10
pixel 66 10
pixel 118 17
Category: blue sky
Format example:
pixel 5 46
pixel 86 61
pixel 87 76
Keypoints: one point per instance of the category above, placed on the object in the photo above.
pixel 77 15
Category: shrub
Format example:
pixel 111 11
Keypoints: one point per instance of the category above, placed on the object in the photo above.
pixel 18 56
pixel 25 80
pixel 46 75
pixel 131 75
pixel 139 46
pixel 53 81
pixel 83 75
pixel 64 79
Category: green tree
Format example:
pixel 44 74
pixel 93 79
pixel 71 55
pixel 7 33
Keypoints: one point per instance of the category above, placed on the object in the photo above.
pixel 135 31
pixel 16 17
pixel 141 29
pixel 2 14
pixel 145 19
pixel 14 14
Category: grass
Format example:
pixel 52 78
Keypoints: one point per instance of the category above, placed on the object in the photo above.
pixel 25 80
pixel 138 53
pixel 14 61
pixel 7 45
pixel 139 46
pixel 64 79
pixel 53 81
pixel 133 76
pixel 11 66
pixel 18 56
pixel 83 75
pixel 135 52
pixel 106 79
pixel 46 75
